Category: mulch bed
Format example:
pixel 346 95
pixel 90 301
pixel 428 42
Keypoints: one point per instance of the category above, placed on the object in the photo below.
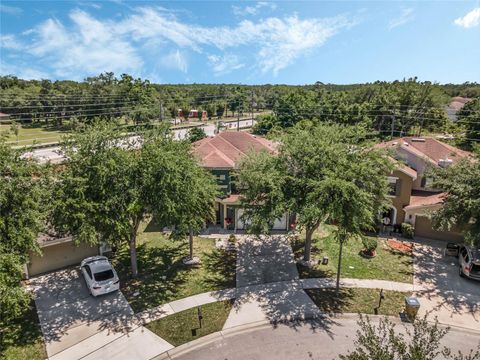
pixel 401 246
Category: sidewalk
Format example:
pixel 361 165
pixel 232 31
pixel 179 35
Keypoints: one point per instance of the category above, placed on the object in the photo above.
pixel 173 307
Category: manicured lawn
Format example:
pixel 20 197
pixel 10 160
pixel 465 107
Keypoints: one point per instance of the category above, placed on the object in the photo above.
pixel 22 338
pixel 183 327
pixel 387 265
pixel 32 134
pixel 358 301
pixel 164 278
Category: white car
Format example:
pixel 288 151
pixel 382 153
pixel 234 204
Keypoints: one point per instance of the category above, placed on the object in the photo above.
pixel 100 277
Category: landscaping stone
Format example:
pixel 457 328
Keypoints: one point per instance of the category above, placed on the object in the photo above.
pixel 191 261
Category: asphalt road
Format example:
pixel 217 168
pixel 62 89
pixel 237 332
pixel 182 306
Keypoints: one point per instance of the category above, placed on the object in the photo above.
pixel 308 341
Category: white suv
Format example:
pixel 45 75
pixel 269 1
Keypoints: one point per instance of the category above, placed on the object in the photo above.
pixel 100 277
pixel 469 262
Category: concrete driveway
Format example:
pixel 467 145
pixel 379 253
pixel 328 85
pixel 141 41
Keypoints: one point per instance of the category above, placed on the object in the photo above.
pixel 453 299
pixel 76 325
pixel 262 261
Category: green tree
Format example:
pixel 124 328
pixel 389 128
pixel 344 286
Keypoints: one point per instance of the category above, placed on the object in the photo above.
pixel 320 173
pixel 384 342
pixel 112 183
pixel 469 117
pixel 196 134
pixel 461 204
pixel 23 205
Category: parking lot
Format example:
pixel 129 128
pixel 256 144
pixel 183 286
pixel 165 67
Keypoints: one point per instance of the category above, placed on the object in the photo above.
pixel 76 325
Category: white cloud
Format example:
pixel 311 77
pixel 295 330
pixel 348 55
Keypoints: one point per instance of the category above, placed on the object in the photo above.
pixel 176 60
pixel 89 47
pixel 224 64
pixel 406 16
pixel 277 42
pixel 22 71
pixel 10 9
pixel 253 10
pixel 470 20
pixel 9 41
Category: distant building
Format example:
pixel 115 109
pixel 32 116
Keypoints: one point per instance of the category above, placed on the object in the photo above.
pixel 4 117
pixel 455 105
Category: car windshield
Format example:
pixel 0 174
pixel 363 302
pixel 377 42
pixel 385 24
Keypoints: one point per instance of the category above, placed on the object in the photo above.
pixel 103 275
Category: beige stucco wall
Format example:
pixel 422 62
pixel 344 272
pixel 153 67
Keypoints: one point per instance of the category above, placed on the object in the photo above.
pixel 423 228
pixel 59 256
pixel 403 198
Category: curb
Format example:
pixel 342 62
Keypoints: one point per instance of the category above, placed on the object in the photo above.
pixel 237 330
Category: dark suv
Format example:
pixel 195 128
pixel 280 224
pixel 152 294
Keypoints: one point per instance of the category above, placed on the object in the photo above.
pixel 469 261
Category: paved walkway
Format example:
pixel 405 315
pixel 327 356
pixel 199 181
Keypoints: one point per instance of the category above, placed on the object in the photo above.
pixel 173 307
pixel 268 287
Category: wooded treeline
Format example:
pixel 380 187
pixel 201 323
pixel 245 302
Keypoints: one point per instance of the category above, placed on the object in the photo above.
pixel 406 107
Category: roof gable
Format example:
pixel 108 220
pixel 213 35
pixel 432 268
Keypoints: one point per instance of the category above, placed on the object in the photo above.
pixel 225 149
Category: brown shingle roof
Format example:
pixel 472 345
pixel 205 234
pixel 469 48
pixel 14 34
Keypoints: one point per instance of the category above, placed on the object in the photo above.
pixel 431 149
pixel 424 198
pixel 227 148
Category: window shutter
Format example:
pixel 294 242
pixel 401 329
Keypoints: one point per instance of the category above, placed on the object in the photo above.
pixel 398 187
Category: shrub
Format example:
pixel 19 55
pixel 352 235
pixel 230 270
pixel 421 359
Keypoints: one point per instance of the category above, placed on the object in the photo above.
pixel 370 243
pixel 407 230
pixel 232 239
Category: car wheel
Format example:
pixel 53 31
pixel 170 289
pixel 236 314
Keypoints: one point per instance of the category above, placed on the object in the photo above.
pixel 460 272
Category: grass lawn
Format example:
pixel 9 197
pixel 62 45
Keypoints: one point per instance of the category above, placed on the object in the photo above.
pixel 22 338
pixel 358 301
pixel 32 134
pixel 162 275
pixel 387 265
pixel 183 327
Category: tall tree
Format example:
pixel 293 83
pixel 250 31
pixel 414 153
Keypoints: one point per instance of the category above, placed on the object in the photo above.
pixel 23 204
pixel 316 175
pixel 112 183
pixel 461 204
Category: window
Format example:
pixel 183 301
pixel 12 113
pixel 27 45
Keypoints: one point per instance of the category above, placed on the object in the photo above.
pixel 89 272
pixel 104 275
pixel 393 188
pixel 221 177
pixel 427 182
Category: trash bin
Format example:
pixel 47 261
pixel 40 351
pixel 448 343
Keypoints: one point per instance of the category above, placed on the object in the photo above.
pixel 411 307
pixel 452 249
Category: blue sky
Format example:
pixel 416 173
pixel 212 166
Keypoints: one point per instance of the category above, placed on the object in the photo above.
pixel 242 42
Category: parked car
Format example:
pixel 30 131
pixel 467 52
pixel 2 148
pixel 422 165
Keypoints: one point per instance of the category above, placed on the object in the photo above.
pixel 100 277
pixel 469 262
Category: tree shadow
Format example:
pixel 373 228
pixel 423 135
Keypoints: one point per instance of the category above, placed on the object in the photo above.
pixel 161 273
pixel 327 300
pixel 268 286
pixel 438 276
pixel 221 268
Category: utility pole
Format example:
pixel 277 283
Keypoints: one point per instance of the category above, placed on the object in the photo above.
pixel 161 111
pixel 238 119
pixel 393 125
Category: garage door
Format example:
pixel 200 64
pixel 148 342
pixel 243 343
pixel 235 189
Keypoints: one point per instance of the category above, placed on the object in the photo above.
pixel 423 228
pixel 58 256
pixel 280 223
pixel 240 223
